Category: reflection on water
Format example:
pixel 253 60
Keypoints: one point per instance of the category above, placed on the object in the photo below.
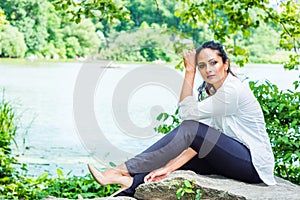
pixel 43 92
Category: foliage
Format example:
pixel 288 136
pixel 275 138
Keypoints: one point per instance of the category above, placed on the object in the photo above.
pixel 55 41
pixel 70 187
pixel 25 187
pixel 259 44
pixel 100 9
pixel 159 11
pixel 81 39
pixel 2 17
pixel 30 17
pixel 167 126
pixel 186 189
pixel 44 32
pixel 141 45
pixel 289 19
pixel 7 134
pixel 240 26
pixel 282 116
pixel 12 42
pixel 226 19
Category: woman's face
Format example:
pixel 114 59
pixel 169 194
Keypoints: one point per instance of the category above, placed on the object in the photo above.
pixel 211 67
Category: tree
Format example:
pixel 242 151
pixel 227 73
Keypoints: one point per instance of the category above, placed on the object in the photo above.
pixel 100 9
pixel 30 17
pixel 12 42
pixel 261 44
pixel 144 44
pixel 226 18
pixel 81 39
pixel 55 43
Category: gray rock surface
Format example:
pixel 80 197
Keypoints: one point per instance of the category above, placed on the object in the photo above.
pixel 212 187
pixel 216 187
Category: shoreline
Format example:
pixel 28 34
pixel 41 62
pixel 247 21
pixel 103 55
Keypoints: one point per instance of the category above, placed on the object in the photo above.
pixel 26 61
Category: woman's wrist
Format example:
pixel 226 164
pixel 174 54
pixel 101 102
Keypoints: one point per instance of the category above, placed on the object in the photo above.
pixel 167 169
pixel 189 78
pixel 190 71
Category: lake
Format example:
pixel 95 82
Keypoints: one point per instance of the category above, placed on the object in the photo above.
pixel 43 94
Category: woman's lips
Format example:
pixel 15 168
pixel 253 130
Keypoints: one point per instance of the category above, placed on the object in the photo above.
pixel 210 76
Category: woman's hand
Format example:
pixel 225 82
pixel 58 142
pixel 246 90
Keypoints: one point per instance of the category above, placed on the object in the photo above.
pixel 189 60
pixel 171 166
pixel 157 175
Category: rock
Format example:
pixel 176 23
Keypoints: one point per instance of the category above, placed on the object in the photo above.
pixel 216 187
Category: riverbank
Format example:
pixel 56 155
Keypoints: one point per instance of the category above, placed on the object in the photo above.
pixel 280 57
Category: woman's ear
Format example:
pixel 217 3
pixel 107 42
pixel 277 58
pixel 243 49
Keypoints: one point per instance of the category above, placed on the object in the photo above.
pixel 227 64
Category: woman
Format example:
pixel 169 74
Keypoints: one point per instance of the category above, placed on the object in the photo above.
pixel 223 134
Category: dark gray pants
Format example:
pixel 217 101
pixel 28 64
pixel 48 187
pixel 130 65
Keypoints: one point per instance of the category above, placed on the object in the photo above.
pixel 217 154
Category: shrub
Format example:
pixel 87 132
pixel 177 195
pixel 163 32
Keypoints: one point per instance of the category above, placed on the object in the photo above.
pixel 282 115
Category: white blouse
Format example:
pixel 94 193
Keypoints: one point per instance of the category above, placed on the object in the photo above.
pixel 235 111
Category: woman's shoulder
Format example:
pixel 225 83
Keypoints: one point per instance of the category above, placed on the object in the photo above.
pixel 233 82
pixel 235 87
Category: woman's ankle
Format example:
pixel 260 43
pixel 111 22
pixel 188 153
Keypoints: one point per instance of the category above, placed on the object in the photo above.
pixel 123 170
pixel 120 170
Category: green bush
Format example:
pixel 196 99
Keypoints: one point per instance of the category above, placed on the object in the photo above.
pixel 71 187
pixel 282 115
pixel 12 43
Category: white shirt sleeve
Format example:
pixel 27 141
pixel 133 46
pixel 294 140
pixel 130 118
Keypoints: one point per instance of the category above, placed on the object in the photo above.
pixel 224 102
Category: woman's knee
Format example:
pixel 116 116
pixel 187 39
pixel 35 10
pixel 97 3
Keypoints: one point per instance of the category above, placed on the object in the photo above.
pixel 189 123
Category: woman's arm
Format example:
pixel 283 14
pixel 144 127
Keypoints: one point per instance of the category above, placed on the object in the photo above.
pixel 190 71
pixel 171 166
pixel 224 102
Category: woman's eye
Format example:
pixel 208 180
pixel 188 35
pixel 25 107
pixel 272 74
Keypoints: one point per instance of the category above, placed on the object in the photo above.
pixel 213 62
pixel 201 66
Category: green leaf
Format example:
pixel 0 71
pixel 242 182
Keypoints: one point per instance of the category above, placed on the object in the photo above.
pixel 179 193
pixel 60 173
pixel 166 115
pixel 112 164
pixel 198 194
pixel 189 190
pixel 42 177
pixel 187 184
pixel 160 116
pixel 179 66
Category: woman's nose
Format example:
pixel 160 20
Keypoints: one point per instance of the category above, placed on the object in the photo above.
pixel 208 68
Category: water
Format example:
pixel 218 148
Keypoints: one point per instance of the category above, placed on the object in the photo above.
pixel 43 95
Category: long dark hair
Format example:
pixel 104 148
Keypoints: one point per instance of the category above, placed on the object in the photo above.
pixel 210 90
